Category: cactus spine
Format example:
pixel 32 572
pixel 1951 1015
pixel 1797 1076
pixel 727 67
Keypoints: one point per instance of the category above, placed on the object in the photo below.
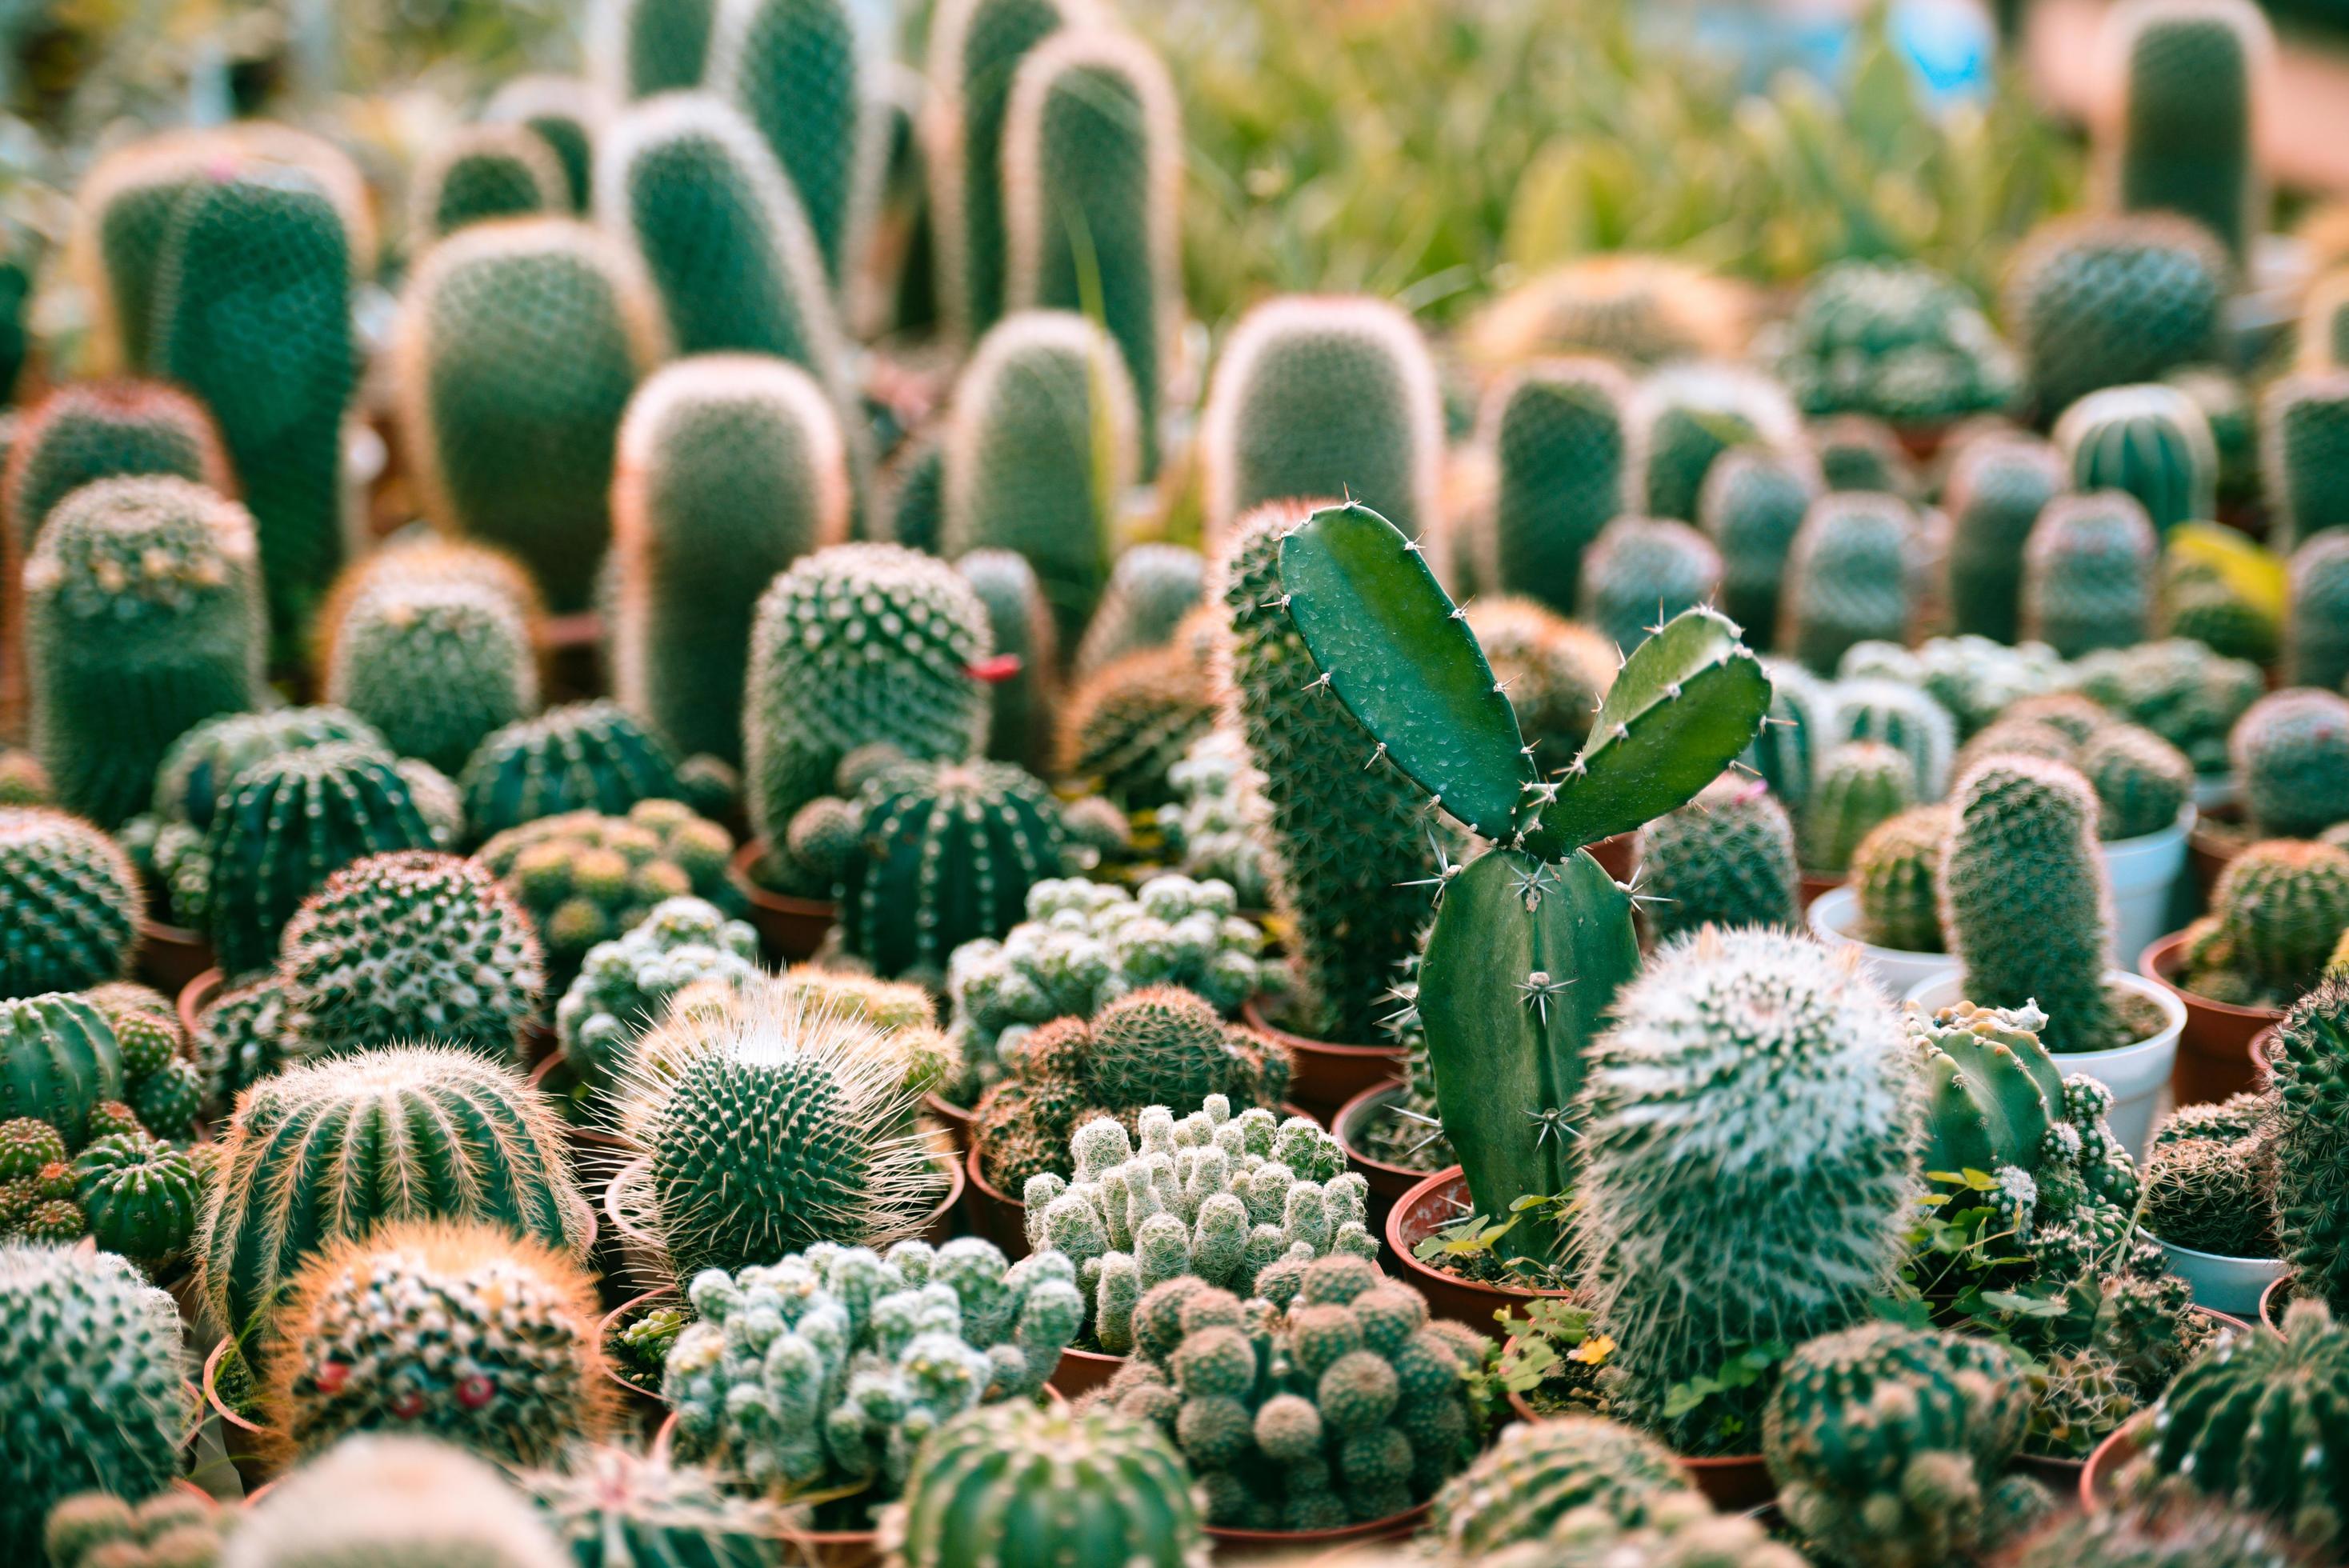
pixel 2152 442
pixel 1999 484
pixel 2310 1141
pixel 1726 858
pixel 479 172
pixel 2088 573
pixel 2303 448
pixel 2184 79
pixel 1847 578
pixel 90 430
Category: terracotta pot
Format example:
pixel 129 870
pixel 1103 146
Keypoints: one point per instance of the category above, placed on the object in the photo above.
pixel 2218 838
pixel 1327 1076
pixel 644 1410
pixel 791 929
pixel 809 1548
pixel 1922 442
pixel 1731 1482
pixel 643 1258
pixel 570 646
pixel 2273 1300
pixel 1388 1183
pixel 1287 1545
pixel 2261 1049
pixel 2100 1477
pixel 994 1214
pixel 1081 1371
pixel 1432 1203
pixel 1615 855
pixel 172 955
pixel 250 1447
pixel 2214 1053
pixel 1818 883
pixel 198 994
pixel 2061 1477
pixel 956 1120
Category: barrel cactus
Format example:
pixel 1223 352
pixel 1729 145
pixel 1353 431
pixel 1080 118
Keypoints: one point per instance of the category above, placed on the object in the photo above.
pixel 74 903
pixel 1126 726
pixel 614 1508
pixel 1847 577
pixel 1641 572
pixel 2152 442
pixel 2289 749
pixel 2316 628
pixel 141 1197
pixel 2277 912
pixel 1726 858
pixel 90 430
pixel 2100 300
pixel 59 1064
pixel 1563 456
pixel 1896 880
pixel 580 756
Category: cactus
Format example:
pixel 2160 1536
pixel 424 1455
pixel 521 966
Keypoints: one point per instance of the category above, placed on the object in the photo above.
pixel 1641 572
pixel 1538 1474
pixel 2151 443
pixel 2178 690
pixel 1321 397
pixel 2088 573
pixel 1753 504
pixel 1559 440
pixel 616 1508
pixel 1896 881
pixel 2310 1062
pixel 640 48
pixel 1684 416
pixel 2142 782
pixel 1895 340
pixel 1855 452
pixel 1847 578
pixel 86 431
pixel 1726 858
pixel 324 1150
pixel 2212 1194
pixel 1127 725
pixel 432 661
pixel 2316 627
pixel 2178 1535
pixel 477 172
pixel 201 769
pixel 1021 702
pixel 585 878
pixel 1150 589
pixel 2275 914
pixel 580 756
pixel 172 1529
pixel 240 1040
pixel 1553 670
pixel 2289 749
pixel 1093 195
pixel 1795 734
pixel 997 1486
pixel 142 616
pixel 1998 485
pixel 1217 824
pixel 394 1501
pixel 1039 449
pixel 414 945
pixel 562 112
pixel 760 1381
pixel 1860 784
pixel 141 1197
pixel 1888 1445
pixel 90 1379
pixel 517 347
pixel 625 984
pixel 59 1064
pixel 1904 717
pixel 74 903
pixel 2097 301
pixel 1623 305
pixel 1342 1406
pixel 460 1331
pixel 2184 78
pixel 857 644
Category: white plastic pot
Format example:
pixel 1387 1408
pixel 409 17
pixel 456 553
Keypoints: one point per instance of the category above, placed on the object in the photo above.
pixel 1833 916
pixel 2141 872
pixel 2232 1285
pixel 2136 1074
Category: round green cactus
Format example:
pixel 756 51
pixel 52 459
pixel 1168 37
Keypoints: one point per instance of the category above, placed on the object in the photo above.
pixel 1557 436
pixel 2148 441
pixel 2101 300
pixel 1127 725
pixel 89 430
pixel 1896 874
pixel 432 656
pixel 625 984
pixel 580 756
pixel 474 173
pixel 1151 589
pixel 2290 750
pixel 1726 858
pixel 2309 1060
pixel 1847 578
pixel 73 899
pixel 1641 572
pixel 201 769
pixel 59 1063
pixel 2212 1194
pixel 1999 483
pixel 1859 785
pixel 1753 504
pixel 2316 627
pixel 141 1197
pixel 1537 1474
pixel 614 1508
pixel 2277 912
pixel 586 879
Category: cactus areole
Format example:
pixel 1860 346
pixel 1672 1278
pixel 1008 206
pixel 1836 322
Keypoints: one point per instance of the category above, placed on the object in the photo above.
pixel 1532 937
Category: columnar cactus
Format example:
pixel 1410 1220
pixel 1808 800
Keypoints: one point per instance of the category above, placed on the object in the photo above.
pixel 1860 784
pixel 997 1485
pixel 1895 340
pixel 90 1373
pixel 1855 452
pixel 2088 573
pixel 586 879
pixel 627 983
pixel 516 351
pixel 1998 485
pixel 580 756
pixel 1562 452
pixel 1888 1444
pixel 640 48
pixel 2278 909
pixel 614 1508
pixel 1847 578
pixel 2183 80
pixel 413 946
pixel 458 1331
pixel 761 1380
pixel 89 430
pixel 1643 570
pixel 731 467
pixel 1539 1473
pixel 2290 750
pixel 2151 443
pixel 1753 502
pixel 2106 301
pixel 1024 685
pixel 563 112
pixel 1907 718
pixel 1321 398
pixel 857 644
pixel 2316 627
pixel 73 899
pixel 1726 858
pixel 474 173
pixel 1151 589
pixel 1092 194
pixel 143 615
pixel 2309 1139
pixel 394 1501
pixel 1896 881
pixel 1703 1227
pixel 1040 447
pixel 330 1149
pixel 1686 416
pixel 2303 433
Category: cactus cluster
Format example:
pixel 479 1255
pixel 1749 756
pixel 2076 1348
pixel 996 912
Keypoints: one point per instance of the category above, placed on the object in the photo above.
pixel 2276 914
pixel 1896 340
pixel 2209 1179
pixel 1541 1474
pixel 1726 858
pixel 1217 824
pixel 625 983
pixel 2290 752
pixel 1213 1196
pixel 2309 1139
pixel 585 878
pixel 2176 687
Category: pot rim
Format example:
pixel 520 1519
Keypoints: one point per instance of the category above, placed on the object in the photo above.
pixel 738 871
pixel 2159 961
pixel 1252 1014
pixel 1397 1244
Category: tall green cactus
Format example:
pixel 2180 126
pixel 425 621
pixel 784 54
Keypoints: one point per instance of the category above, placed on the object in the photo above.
pixel 2186 79
pixel 1753 502
pixel 1999 483
pixel 479 172
pixel 645 46
pixel 1321 399
pixel 90 430
pixel 1859 785
pixel 1150 589
pixel 1643 570
pixel 1507 1057
pixel 2316 623
pixel 1847 578
pixel 731 467
pixel 2310 1140
pixel 1092 182
pixel 805 73
pixel 2088 573
pixel 1021 702
pixel 2152 441
pixel 143 615
pixel 1558 442
pixel 1686 417
pixel 563 112
pixel 2106 301
pixel 2304 449
pixel 518 347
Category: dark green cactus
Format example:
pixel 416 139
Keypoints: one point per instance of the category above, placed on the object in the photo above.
pixel 73 903
pixel 90 430
pixel 646 47
pixel 580 756
pixel 2088 573
pixel 432 659
pixel 2310 1140
pixel 2275 915
pixel 2104 301
pixel 1999 484
pixel 2303 448
pixel 2316 627
pixel 564 113
pixel 1896 876
pixel 1753 502
pixel 1150 589
pixel 2187 77
pixel 1895 340
pixel 1847 578
pixel 142 1197
pixel 2150 441
pixel 59 1063
pixel 476 173
pixel 1860 784
pixel 1538 1474
pixel 803 74
pixel 1726 858
pixel 1021 699
pixel 1685 416
pixel 1643 570
pixel 2290 750
pixel 613 1508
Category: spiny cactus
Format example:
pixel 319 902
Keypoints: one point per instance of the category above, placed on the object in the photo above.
pixel 1796 735
pixel 1680 1530
pixel 586 879
pixel 172 1529
pixel 2309 1139
pixel 1859 785
pixel 89 430
pixel 1998 485
pixel 394 1501
pixel 1024 684
pixel 432 657
pixel 1541 1473
pixel 1559 440
pixel 1753 502
pixel 1855 452
pixel 1726 858
pixel 2183 80
pixel 2088 573
pixel 2304 433
pixel 141 1197
pixel 2289 749
pixel 1091 191
pixel 1041 447
pixel 461 1331
pixel 1888 1445
pixel 1847 577
pixel 1896 881
pixel 143 615
pixel 477 172
pixel 625 984
pixel 90 1378
pixel 73 899
pixel 1317 398
pixel 580 756
pixel 2177 688
pixel 2142 782
pixel 240 1040
pixel 2177 1535
pixel 1125 727
pixel 613 1508
pixel 761 1380
pixel 59 1064
pixel 1684 416
pixel 2212 1194
pixel 1702 1228
pixel 2151 443
pixel 1151 589
pixel 2278 908
pixel 2316 628
pixel 1554 671
pixel 517 348
pixel 1896 340
pixel 1904 717
pixel 1643 570
pixel 640 48
pixel 564 113
pixel 2100 301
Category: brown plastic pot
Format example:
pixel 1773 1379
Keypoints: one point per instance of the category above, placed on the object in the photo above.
pixel 570 647
pixel 2214 1052
pixel 1818 883
pixel 1388 1183
pixel 791 929
pixel 994 1214
pixel 1731 1482
pixel 2219 836
pixel 644 1409
pixel 2100 1477
pixel 1290 1545
pixel 1432 1203
pixel 251 1449
pixel 1615 855
pixel 197 995
pixel 2273 1300
pixel 956 1120
pixel 1326 1076
pixel 1082 1371
pixel 172 955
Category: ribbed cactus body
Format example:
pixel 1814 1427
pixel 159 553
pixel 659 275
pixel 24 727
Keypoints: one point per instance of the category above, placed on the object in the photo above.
pixel 731 467
pixel 2152 442
pixel 86 431
pixel 1020 701
pixel 2310 1141
pixel 326 1151
pixel 2290 750
pixel 1847 578
pixel 805 74
pixel 58 1063
pixel 287 826
pixel 1859 784
pixel 518 347
pixel 1563 460
pixel 1904 717
pixel 1796 735
pixel 613 1508
pixel 2277 912
pixel 563 112
pixel 646 47
pixel 1856 452
pixel 1999 484
pixel 1684 418
pixel 1536 1474
pixel 1040 450
pixel 2304 449
pixel 2186 77
pixel 143 615
pixel 432 661
pixel 2316 627
pixel 142 1198
pixel 2088 573
pixel 580 756
pixel 479 172
pixel 1753 502
pixel 73 903
pixel 2100 301
pixel 1318 399
pixel 1643 570
pixel 91 1368
pixel 1726 858
pixel 1151 588
pixel 1896 875
pixel 948 855
pixel 2167 1537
